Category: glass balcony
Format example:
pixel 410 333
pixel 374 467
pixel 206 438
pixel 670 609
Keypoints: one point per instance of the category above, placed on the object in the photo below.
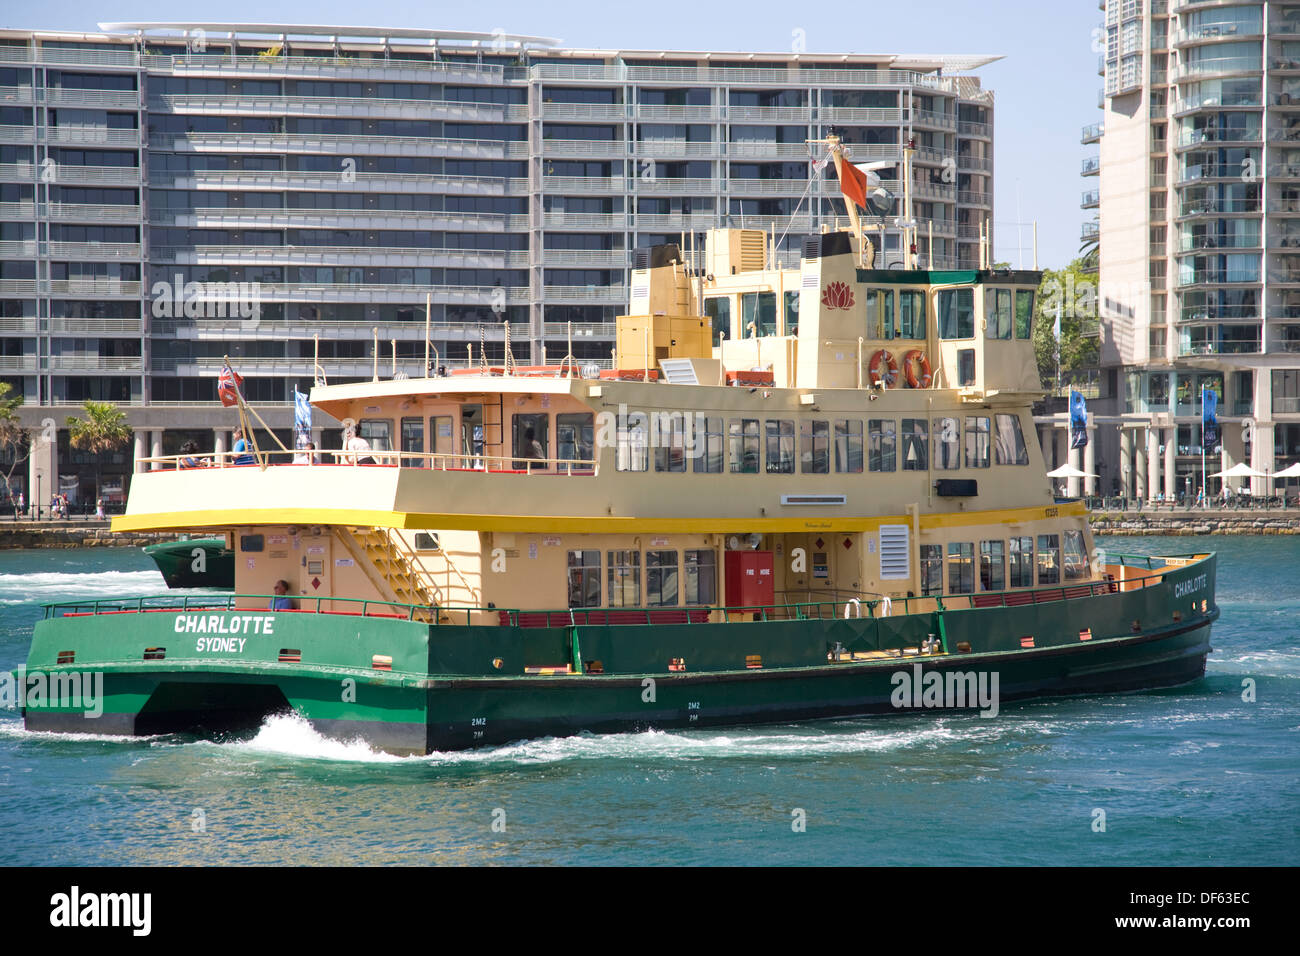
pixel 1091 133
pixel 1090 166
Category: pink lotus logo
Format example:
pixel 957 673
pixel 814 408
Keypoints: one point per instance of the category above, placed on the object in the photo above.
pixel 837 295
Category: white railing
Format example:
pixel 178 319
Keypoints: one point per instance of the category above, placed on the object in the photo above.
pixel 331 458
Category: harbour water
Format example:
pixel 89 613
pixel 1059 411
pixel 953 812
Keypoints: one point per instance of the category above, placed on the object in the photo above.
pixel 1191 776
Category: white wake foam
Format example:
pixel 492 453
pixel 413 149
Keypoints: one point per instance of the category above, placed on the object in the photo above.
pixel 49 586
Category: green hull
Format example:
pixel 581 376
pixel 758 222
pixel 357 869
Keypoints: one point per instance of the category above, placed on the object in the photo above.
pixel 181 568
pixel 454 686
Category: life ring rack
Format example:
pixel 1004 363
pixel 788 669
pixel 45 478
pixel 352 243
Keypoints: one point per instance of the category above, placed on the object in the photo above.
pixel 911 361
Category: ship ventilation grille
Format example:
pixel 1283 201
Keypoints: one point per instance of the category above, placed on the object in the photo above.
pixel 678 371
pixel 753 250
pixel 895 552
pixel 814 499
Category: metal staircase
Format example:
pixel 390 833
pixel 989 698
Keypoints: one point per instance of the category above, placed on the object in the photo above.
pixel 397 574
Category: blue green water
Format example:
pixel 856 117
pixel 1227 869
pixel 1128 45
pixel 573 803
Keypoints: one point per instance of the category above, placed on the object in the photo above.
pixel 1190 776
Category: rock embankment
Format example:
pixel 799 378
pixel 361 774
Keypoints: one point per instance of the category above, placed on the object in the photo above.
pixel 50 534
pixel 1194 522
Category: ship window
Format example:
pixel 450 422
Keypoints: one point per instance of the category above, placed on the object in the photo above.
pixel 743 438
pixel 1024 313
pixel 633 452
pixel 947 444
pixel 574 440
pixel 780 447
pixel 977 441
pixel 931 569
pixel 1009 442
pixel 848 446
pixel 965 366
pixel 1021 554
pixel 413 441
pixel 792 313
pixel 425 541
pixel 251 542
pixel 378 432
pixel 661 578
pixel 531 434
pixel 998 307
pixel 471 432
pixel 758 309
pixel 880 314
pixel 1076 556
pixel 815 450
pixel 624 578
pixel 993 573
pixel 584 579
pixel 911 314
pixel 718 309
pixel 668 438
pixel 961 567
pixel 1049 559
pixel 916 444
pixel 707 446
pixel 701 577
pixel 882 438
pixel 956 313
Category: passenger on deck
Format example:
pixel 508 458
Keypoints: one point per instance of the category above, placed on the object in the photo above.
pixel 189 456
pixel 242 457
pixel 358 448
pixel 281 601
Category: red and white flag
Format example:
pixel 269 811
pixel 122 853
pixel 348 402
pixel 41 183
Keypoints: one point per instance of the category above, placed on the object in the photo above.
pixel 228 385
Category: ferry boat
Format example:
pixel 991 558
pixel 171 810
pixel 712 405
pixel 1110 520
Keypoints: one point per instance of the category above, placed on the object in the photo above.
pixel 799 493
pixel 194 562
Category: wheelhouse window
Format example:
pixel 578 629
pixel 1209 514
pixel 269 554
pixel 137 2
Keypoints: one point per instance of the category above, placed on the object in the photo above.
pixel 792 313
pixel 575 440
pixel 961 567
pixel 882 444
pixel 707 444
pixel 998 311
pixel 378 432
pixel 718 309
pixel 911 314
pixel 880 314
pixel 413 441
pixel 931 569
pixel 1049 559
pixel 661 578
pixel 1076 557
pixel 977 441
pixel 916 444
pixel 965 367
pixel 947 444
pixel 993 574
pixel 848 446
pixel 1024 313
pixel 584 579
pixel 780 447
pixel 701 577
pixel 1009 441
pixel 1021 554
pixel 956 313
pixel 624 578
pixel 758 309
pixel 815 447
pixel 743 439
pixel 531 435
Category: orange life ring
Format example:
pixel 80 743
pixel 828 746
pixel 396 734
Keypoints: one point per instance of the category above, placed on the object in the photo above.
pixel 910 361
pixel 876 369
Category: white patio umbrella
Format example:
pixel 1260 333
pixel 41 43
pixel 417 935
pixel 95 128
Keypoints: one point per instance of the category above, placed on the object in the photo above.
pixel 1290 471
pixel 1239 470
pixel 1069 471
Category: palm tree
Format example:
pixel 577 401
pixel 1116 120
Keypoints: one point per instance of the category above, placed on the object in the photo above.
pixel 15 440
pixel 103 430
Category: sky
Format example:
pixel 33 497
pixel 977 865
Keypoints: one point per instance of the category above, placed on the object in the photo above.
pixel 1045 87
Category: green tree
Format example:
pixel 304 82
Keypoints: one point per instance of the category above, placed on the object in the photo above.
pixel 103 430
pixel 15 440
pixel 1073 291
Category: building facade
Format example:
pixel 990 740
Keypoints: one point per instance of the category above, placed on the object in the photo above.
pixel 1200 238
pixel 173 194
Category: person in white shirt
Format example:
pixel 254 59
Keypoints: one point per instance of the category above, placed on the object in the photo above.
pixel 358 449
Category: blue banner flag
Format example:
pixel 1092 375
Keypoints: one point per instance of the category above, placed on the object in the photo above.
pixel 1209 418
pixel 301 420
pixel 1078 420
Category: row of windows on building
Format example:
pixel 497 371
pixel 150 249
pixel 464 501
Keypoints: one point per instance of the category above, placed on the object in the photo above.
pixel 1013 563
pixel 691 581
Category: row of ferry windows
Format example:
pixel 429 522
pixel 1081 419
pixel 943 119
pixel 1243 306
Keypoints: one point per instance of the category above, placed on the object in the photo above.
pixel 691 582
pixel 890 314
pixel 1004 564
pixel 750 445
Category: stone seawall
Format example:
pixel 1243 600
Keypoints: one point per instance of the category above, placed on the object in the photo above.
pixel 73 535
pixel 1194 522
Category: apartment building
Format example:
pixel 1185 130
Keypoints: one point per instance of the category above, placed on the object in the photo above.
pixel 154 178
pixel 1200 238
